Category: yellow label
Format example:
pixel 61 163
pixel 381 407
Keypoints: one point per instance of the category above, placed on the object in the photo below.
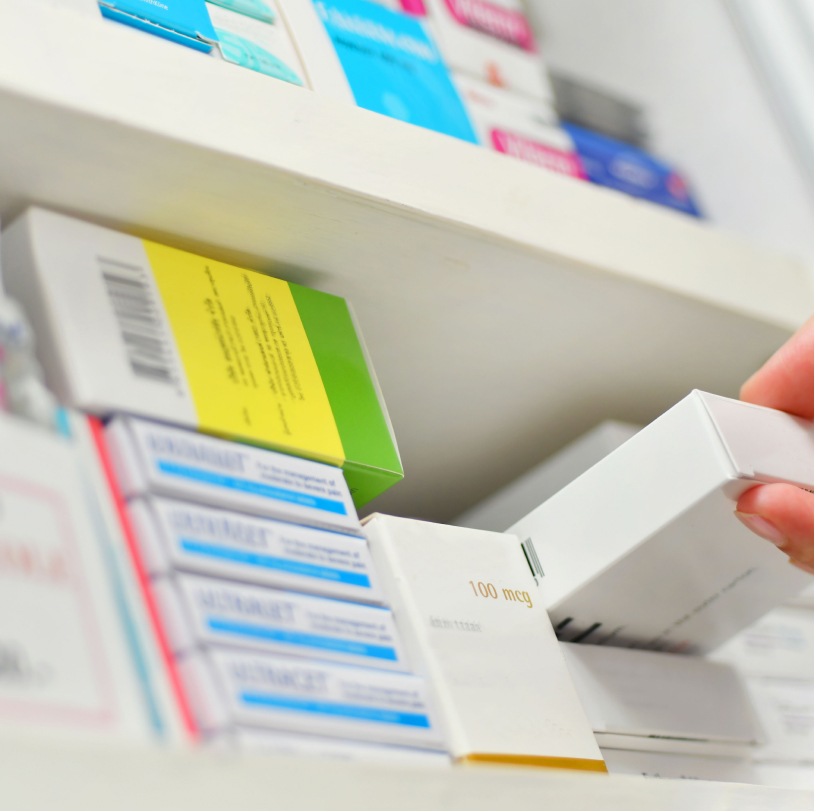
pixel 246 355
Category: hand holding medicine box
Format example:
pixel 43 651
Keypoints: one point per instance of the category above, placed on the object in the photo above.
pixel 644 550
pixel 199 343
pixel 466 607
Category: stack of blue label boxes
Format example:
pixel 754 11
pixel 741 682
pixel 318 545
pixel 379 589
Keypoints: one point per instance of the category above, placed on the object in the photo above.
pixel 267 597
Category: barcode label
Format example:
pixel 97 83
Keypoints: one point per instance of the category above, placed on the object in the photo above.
pixel 140 323
pixel 531 558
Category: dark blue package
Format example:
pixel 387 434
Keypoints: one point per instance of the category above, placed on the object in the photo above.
pixel 617 165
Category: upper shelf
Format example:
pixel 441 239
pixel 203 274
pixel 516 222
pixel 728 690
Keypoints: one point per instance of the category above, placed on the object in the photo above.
pixel 506 308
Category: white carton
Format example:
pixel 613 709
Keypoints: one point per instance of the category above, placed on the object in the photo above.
pixel 316 51
pixel 290 743
pixel 518 126
pixel 785 708
pixel 265 47
pixel 515 500
pixel 151 458
pixel 467 609
pixel 77 656
pixel 278 692
pixel 200 611
pixel 644 550
pixel 662 702
pixel 491 40
pixel 779 645
pixel 681 767
pixel 187 537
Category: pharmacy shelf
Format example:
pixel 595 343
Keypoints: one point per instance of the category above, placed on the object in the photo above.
pixel 41 777
pixel 507 309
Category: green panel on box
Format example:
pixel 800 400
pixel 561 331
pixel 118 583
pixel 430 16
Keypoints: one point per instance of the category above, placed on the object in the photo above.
pixel 373 464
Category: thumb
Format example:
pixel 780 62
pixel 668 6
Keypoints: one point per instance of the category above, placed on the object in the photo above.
pixel 784 515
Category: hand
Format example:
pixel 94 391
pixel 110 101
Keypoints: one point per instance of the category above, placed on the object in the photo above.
pixel 783 513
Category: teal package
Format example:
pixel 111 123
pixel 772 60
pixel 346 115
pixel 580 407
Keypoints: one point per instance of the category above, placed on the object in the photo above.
pixel 249 8
pixel 393 67
pixel 247 54
pixel 186 17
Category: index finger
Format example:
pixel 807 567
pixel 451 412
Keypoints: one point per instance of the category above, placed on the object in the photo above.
pixel 786 380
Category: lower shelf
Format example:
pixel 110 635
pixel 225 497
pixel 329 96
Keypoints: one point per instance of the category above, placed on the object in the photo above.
pixel 36 775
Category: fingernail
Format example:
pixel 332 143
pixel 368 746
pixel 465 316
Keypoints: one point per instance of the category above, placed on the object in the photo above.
pixel 804 566
pixel 760 526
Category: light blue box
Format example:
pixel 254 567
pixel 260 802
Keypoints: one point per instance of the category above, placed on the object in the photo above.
pixel 184 21
pixel 393 67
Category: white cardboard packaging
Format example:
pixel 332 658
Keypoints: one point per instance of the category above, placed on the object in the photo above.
pixel 681 767
pixel 235 30
pixel 491 41
pixel 518 126
pixel 276 692
pixel 178 535
pixel 662 702
pixel 78 656
pixel 203 612
pixel 151 458
pixel 465 605
pixel 513 502
pixel 290 743
pixel 316 51
pixel 644 550
pixel 779 645
pixel 785 708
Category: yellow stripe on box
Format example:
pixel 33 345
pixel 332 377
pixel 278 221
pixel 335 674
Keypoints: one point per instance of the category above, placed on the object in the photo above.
pixel 246 355
pixel 580 764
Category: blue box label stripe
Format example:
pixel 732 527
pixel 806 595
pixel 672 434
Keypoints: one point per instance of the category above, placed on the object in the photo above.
pixel 340 710
pixel 255 488
pixel 269 562
pixel 299 638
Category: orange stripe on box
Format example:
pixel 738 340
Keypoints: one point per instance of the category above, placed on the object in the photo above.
pixel 580 764
pixel 98 433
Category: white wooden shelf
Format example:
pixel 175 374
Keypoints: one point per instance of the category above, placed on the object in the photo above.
pixel 507 309
pixel 38 776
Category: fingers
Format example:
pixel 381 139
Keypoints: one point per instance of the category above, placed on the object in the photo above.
pixel 784 515
pixel 786 381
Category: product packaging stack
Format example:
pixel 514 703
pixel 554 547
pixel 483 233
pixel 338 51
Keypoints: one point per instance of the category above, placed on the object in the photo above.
pixel 266 599
pixel 611 138
pixel 269 626
pixel 654 559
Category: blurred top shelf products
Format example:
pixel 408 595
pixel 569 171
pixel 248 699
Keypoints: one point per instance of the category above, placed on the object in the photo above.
pixel 199 343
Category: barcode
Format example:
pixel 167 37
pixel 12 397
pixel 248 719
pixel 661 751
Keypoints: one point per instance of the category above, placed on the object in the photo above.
pixel 531 558
pixel 140 322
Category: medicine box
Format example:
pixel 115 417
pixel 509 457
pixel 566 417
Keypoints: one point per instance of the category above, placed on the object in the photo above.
pixel 516 500
pixel 78 657
pixel 199 343
pixel 266 741
pixel 491 40
pixel 259 45
pixel 644 550
pixel 648 701
pixel 177 535
pixel 183 21
pixel 681 767
pixel 518 126
pixel 779 645
pixel 468 612
pixel 393 67
pixel 231 688
pixel 149 458
pixel 203 612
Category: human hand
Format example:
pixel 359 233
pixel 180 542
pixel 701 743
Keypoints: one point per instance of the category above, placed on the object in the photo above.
pixel 783 513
